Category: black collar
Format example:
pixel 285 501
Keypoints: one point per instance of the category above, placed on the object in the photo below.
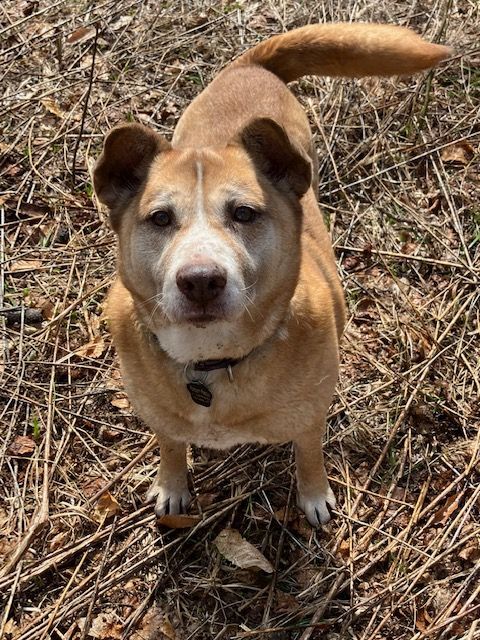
pixel 212 365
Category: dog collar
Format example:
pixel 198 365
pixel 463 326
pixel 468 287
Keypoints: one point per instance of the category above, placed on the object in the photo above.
pixel 212 365
pixel 197 385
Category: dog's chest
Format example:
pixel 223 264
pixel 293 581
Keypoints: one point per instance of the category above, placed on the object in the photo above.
pixel 232 418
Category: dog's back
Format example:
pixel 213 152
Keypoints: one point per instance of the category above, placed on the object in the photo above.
pixel 254 84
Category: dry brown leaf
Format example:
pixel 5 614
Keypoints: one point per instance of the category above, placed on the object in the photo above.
pixel 81 35
pixel 52 106
pixel 58 541
pixel 93 349
pixel 10 628
pixel 105 627
pixel 167 629
pixel 24 265
pixel 151 623
pixel 106 507
pixel 446 511
pixel 179 521
pixel 92 486
pixel 111 435
pixel 458 153
pixel 344 549
pixel 239 552
pixel 279 515
pixel 120 401
pixel 21 446
pixel 423 620
pixel 285 602
pixel 471 552
pixel 7 547
pixel 207 499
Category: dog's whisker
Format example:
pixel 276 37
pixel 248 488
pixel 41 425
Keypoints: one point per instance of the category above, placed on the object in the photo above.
pixel 249 286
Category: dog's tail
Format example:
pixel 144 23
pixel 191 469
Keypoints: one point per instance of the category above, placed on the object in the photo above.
pixel 344 49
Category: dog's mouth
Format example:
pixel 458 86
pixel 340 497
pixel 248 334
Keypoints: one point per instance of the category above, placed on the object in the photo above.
pixel 201 319
pixel 200 316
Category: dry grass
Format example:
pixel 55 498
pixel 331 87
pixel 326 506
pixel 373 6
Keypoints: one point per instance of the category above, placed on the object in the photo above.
pixel 401 559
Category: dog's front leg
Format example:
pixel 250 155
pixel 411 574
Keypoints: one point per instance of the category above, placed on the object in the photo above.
pixel 314 494
pixel 169 490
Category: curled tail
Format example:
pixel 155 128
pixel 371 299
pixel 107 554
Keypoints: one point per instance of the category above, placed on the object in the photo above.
pixel 345 49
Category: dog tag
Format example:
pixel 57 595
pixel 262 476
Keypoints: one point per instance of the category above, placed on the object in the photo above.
pixel 200 393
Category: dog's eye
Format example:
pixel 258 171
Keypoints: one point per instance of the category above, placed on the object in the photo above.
pixel 244 214
pixel 162 218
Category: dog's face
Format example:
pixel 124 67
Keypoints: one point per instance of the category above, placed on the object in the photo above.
pixel 209 239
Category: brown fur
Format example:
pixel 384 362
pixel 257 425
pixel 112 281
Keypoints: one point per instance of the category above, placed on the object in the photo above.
pixel 244 140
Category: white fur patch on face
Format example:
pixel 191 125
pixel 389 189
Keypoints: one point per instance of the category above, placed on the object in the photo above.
pixel 188 343
pixel 203 242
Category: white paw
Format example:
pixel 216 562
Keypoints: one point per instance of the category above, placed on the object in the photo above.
pixel 168 499
pixel 315 506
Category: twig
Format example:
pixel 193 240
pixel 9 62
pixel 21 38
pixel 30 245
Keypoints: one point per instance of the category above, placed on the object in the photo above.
pixel 85 106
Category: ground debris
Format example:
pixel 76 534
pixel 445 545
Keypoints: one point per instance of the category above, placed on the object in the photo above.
pixel 399 189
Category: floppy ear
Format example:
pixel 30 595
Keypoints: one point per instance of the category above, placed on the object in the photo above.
pixel 128 152
pixel 272 152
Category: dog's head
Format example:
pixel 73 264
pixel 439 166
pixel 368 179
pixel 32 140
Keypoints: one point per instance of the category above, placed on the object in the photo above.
pixel 209 239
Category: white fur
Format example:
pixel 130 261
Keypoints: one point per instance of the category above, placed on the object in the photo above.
pixel 188 343
pixel 315 506
pixel 183 341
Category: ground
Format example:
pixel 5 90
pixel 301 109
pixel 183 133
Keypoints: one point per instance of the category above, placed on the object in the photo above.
pixel 399 188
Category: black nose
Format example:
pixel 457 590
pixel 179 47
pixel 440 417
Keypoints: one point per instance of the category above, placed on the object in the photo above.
pixel 201 283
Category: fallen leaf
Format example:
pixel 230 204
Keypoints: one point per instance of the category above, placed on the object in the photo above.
pixel 351 262
pixel 207 499
pixel 471 553
pixel 93 349
pixel 105 627
pixel 47 307
pixel 92 486
pixel 239 552
pixel 423 620
pixel 446 511
pixel 344 549
pixel 458 153
pixel 58 541
pixel 279 515
pixel 285 602
pixel 21 446
pixel 10 628
pixel 149 626
pixel 106 507
pixel 52 106
pixel 80 35
pixel 111 435
pixel 167 629
pixel 179 521
pixel 120 401
pixel 24 265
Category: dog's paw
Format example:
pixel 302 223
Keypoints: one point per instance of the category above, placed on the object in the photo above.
pixel 168 500
pixel 315 506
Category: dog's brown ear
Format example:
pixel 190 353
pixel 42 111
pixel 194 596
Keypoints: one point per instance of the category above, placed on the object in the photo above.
pixel 127 154
pixel 272 152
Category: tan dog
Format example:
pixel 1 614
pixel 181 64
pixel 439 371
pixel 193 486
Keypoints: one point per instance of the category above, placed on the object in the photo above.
pixel 227 311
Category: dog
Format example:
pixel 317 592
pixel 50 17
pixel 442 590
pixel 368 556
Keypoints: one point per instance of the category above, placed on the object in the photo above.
pixel 228 311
